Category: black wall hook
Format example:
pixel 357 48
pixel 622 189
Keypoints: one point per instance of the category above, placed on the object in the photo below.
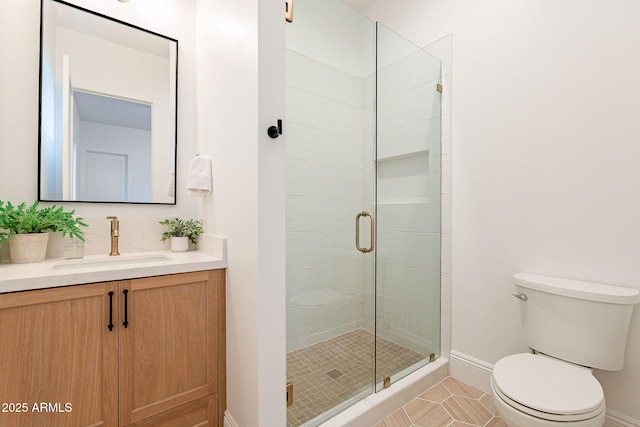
pixel 274 131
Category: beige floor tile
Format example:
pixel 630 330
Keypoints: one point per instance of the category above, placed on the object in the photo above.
pixel 427 414
pixel 487 401
pixel 461 389
pixel 397 419
pixel 467 410
pixel 438 393
pixel 436 406
pixel 496 422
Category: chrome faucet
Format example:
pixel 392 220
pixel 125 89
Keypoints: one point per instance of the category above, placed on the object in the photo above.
pixel 115 233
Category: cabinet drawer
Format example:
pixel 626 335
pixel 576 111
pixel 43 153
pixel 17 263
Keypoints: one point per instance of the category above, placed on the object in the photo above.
pixel 200 413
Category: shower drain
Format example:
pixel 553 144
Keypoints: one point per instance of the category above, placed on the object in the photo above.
pixel 334 373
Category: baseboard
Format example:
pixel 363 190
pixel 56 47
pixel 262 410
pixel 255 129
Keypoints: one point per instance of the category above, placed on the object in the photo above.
pixel 228 420
pixel 470 370
pixel 615 419
pixel 477 373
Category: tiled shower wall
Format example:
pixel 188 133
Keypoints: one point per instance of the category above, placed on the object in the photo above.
pixel 326 283
pixel 329 174
pixel 409 198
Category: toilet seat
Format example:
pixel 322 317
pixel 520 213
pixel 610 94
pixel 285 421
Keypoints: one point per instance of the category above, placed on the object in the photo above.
pixel 548 388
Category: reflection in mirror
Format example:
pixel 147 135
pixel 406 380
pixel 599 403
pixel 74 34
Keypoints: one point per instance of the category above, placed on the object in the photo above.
pixel 111 137
pixel 107 109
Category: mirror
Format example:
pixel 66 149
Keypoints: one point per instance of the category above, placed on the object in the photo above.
pixel 108 109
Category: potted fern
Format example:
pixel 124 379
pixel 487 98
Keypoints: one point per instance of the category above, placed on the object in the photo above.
pixel 27 229
pixel 181 232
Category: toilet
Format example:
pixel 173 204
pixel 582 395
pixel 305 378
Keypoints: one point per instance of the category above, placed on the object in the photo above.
pixel 571 326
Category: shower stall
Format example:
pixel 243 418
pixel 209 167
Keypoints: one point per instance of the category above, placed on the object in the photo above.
pixel 363 195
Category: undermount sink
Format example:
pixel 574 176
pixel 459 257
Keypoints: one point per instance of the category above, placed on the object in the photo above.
pixel 106 261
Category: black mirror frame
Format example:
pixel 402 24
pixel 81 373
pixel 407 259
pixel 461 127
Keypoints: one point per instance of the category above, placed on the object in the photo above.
pixel 40 77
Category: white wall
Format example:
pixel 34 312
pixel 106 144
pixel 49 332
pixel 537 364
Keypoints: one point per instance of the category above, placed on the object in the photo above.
pixel 348 45
pixel 19 68
pixel 240 94
pixel 544 158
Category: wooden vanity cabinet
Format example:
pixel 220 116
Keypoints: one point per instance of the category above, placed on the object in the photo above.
pixel 170 351
pixel 166 366
pixel 55 348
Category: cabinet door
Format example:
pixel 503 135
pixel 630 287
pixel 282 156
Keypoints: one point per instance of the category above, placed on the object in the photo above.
pixel 58 358
pixel 169 349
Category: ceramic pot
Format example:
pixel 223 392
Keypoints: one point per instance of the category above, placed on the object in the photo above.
pixel 179 244
pixel 27 248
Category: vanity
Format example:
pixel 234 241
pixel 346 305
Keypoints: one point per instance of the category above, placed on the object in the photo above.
pixel 130 340
pixel 136 340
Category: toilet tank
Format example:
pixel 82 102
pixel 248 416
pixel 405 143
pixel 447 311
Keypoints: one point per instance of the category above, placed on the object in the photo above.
pixel 581 322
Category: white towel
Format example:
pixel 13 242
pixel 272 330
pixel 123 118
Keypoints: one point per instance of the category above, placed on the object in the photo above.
pixel 199 177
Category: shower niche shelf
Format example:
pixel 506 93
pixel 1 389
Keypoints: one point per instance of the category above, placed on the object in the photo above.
pixel 405 155
pixel 404 178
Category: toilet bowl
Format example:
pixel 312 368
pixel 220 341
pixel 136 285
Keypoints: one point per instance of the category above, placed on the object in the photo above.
pixel 571 326
pixel 531 390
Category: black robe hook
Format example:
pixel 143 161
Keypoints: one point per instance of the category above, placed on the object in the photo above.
pixel 274 131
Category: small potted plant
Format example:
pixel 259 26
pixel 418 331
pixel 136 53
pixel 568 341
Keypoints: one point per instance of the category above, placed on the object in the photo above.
pixel 181 232
pixel 27 229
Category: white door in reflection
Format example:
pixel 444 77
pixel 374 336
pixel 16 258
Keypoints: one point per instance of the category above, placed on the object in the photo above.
pixel 103 177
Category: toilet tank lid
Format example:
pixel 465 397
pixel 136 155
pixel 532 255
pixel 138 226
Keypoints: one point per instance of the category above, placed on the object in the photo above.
pixel 578 288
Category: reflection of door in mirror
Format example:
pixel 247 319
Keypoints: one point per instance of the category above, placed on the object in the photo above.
pixel 104 177
pixel 108 99
pixel 112 146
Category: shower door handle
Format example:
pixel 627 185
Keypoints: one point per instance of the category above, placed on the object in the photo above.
pixel 372 243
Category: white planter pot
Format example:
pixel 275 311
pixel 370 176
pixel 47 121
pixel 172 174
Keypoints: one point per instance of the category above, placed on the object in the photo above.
pixel 27 248
pixel 179 244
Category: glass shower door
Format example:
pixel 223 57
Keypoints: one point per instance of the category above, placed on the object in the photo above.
pixel 408 201
pixel 362 208
pixel 330 68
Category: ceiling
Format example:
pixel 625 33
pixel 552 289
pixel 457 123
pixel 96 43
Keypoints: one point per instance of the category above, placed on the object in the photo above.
pixel 360 5
pixel 112 111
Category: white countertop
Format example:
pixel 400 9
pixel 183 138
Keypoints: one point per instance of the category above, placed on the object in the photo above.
pixel 102 268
